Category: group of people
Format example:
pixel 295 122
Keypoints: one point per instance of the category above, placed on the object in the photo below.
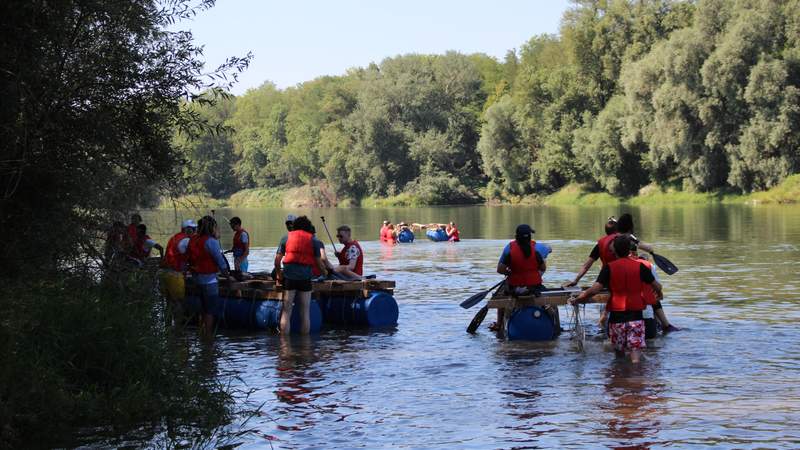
pixel 631 280
pixel 196 250
pixel 390 233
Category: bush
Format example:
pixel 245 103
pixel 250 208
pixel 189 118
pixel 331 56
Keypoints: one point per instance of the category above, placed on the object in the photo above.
pixel 79 354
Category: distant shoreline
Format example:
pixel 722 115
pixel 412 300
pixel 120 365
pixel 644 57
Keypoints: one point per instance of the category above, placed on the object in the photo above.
pixel 786 193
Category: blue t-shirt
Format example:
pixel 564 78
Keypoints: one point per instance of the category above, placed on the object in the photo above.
pixel 300 271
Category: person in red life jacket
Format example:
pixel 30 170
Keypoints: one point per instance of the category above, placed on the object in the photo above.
pixel 383 229
pixel 136 219
pixel 351 257
pixel 301 254
pixel 118 244
pixel 601 250
pixel 625 225
pixel 452 233
pixel 523 266
pixel 281 251
pixel 389 234
pixel 625 278
pixel 143 245
pixel 205 260
pixel 241 245
pixel 174 265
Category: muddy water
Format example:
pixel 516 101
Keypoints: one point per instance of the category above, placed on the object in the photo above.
pixel 730 379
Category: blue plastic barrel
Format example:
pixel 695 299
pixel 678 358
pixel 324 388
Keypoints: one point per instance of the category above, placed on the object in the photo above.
pixel 437 235
pixel 405 236
pixel 530 324
pixel 268 316
pixel 238 312
pixel 378 310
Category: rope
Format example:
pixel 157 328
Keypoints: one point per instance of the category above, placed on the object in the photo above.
pixel 576 314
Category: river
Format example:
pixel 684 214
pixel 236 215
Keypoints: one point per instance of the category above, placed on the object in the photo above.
pixel 730 379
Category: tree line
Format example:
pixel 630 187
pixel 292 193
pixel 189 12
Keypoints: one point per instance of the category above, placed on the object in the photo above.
pixel 694 95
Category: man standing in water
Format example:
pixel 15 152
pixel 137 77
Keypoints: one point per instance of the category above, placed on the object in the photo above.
pixel 625 278
pixel 241 245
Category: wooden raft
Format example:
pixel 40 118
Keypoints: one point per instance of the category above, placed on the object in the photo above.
pixel 554 298
pixel 268 289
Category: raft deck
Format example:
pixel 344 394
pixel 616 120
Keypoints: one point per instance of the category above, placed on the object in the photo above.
pixel 550 297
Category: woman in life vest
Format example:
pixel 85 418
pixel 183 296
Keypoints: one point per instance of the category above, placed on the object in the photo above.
pixel 625 225
pixel 205 260
pixel 301 254
pixel 452 233
pixel 625 278
pixel 523 266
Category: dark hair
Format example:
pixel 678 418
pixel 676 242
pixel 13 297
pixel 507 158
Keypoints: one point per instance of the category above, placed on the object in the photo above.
pixel 302 223
pixel 136 217
pixel 523 238
pixel 313 229
pixel 343 228
pixel 236 221
pixel 611 227
pixel 141 227
pixel 625 223
pixel 622 245
pixel 289 225
pixel 206 225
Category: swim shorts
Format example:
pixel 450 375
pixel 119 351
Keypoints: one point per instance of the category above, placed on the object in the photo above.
pixel 627 335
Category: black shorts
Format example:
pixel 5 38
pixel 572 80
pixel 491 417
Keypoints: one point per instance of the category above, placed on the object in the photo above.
pixel 297 285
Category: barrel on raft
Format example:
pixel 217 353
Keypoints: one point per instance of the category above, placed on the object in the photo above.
pixel 530 324
pixel 405 236
pixel 378 309
pixel 255 314
pixel 437 235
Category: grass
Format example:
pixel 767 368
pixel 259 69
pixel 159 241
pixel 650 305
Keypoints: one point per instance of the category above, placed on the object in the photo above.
pixel 401 200
pixel 574 195
pixel 788 192
pixel 257 198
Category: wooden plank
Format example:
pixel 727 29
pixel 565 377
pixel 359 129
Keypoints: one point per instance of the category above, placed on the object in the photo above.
pixel 561 298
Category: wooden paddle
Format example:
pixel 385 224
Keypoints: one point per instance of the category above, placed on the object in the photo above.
pixel 475 299
pixel 329 234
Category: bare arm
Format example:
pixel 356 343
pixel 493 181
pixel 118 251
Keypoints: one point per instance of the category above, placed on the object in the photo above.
pixel 321 264
pixel 503 269
pixel 588 293
pixel 585 268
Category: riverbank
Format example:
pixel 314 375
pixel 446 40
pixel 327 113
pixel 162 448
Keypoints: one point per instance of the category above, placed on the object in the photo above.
pixel 788 192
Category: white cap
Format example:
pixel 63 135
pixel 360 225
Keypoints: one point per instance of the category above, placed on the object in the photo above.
pixel 290 218
pixel 188 223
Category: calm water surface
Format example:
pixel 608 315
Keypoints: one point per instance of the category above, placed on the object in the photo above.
pixel 731 379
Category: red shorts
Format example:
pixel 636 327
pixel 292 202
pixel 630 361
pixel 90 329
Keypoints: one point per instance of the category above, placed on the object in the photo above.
pixel 627 335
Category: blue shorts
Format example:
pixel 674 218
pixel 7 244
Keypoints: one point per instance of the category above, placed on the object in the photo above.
pixel 209 298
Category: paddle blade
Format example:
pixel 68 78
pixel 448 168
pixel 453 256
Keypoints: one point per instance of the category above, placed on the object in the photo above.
pixel 474 300
pixel 665 264
pixel 477 320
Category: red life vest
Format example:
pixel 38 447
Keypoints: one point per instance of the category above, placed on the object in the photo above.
pixel 626 285
pixel 199 259
pixel 524 271
pixel 173 259
pixel 648 293
pixel 387 235
pixel 132 232
pixel 454 235
pixel 359 269
pixel 606 252
pixel 138 251
pixel 239 246
pixel 382 234
pixel 299 249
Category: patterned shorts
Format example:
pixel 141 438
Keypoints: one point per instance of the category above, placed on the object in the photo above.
pixel 627 335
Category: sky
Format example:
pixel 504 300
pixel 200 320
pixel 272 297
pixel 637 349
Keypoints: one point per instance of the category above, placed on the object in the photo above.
pixel 297 41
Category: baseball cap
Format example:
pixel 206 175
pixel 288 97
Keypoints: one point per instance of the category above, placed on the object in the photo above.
pixel 188 223
pixel 524 230
pixel 290 218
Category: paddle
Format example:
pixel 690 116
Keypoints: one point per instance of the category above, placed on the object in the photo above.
pixel 477 320
pixel 475 299
pixel 664 264
pixel 329 234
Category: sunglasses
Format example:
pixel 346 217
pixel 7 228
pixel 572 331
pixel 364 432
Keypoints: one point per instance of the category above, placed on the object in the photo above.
pixel 339 236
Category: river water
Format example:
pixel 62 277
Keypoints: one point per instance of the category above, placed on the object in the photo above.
pixel 730 379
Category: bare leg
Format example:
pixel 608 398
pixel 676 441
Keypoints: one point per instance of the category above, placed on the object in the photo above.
pixel 635 355
pixel 662 317
pixel 304 303
pixel 286 312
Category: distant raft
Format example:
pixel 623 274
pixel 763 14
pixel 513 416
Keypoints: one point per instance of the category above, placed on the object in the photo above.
pixel 256 304
pixel 437 235
pixel 405 236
